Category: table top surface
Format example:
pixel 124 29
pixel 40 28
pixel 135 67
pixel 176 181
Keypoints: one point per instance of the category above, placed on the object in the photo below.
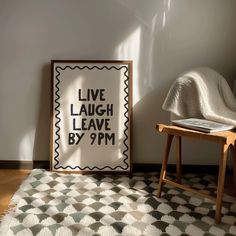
pixel 228 136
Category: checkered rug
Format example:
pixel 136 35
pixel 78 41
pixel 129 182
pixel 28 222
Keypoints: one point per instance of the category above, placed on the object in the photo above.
pixel 50 203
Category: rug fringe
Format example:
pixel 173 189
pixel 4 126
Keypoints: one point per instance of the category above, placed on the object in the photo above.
pixel 5 220
pixel 10 209
pixel 14 201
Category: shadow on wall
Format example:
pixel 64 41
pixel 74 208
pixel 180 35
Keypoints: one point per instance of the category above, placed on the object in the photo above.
pixel 149 90
pixel 147 113
pixel 166 45
pixel 42 133
pixel 159 40
pixel 136 41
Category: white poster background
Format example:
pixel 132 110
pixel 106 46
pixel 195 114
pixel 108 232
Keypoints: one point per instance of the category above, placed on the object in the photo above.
pixel 98 150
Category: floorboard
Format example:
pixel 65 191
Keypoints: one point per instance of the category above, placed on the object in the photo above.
pixel 10 181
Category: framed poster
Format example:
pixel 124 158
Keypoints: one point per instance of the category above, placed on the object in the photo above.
pixel 91 120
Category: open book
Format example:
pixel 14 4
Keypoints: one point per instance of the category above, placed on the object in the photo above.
pixel 203 125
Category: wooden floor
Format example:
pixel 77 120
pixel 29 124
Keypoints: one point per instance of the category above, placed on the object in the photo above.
pixel 10 181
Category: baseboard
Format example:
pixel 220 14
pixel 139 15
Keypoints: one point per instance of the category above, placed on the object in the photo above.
pixel 137 167
pixel 28 165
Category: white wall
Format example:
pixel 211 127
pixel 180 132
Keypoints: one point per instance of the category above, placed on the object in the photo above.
pixel 162 37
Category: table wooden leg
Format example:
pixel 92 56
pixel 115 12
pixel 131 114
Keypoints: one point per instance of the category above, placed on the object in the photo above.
pixel 233 151
pixel 178 158
pixel 164 163
pixel 221 181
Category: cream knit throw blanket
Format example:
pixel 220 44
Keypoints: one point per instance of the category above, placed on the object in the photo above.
pixel 202 93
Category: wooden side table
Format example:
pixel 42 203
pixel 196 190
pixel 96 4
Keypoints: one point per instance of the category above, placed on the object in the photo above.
pixel 226 139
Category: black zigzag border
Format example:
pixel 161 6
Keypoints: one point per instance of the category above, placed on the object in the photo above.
pixel 58 119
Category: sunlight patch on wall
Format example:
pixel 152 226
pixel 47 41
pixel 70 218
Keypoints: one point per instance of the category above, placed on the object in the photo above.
pixel 26 146
pixel 169 4
pixel 129 49
pixel 164 19
pixel 148 78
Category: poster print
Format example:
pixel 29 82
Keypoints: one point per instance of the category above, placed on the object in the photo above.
pixel 91 123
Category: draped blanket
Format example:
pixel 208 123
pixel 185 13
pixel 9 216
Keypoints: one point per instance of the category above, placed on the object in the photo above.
pixel 202 93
